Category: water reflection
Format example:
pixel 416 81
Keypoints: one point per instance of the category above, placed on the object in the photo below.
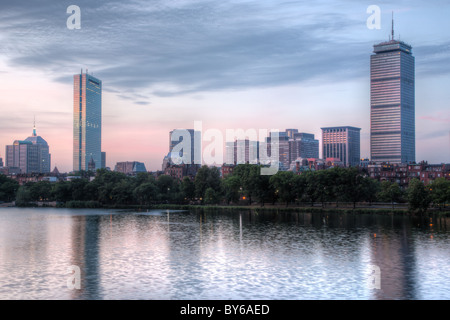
pixel 221 255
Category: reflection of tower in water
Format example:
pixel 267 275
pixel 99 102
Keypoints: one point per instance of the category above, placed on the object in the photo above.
pixel 394 254
pixel 85 254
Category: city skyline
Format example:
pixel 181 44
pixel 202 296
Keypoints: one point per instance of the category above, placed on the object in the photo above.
pixel 262 71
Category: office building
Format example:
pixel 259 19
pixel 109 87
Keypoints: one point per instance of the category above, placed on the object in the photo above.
pixel 245 151
pixel 342 143
pixel 194 144
pixel 87 122
pixel 392 101
pixel 30 155
pixel 303 145
pixel 1 163
pixel 130 167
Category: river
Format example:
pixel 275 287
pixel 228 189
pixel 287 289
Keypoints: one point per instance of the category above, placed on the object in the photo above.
pixel 174 255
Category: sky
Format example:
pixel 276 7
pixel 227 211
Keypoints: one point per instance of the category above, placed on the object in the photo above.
pixel 246 64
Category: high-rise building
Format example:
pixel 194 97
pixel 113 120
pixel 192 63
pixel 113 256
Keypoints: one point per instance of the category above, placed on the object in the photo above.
pixel 342 143
pixel 1 163
pixel 176 136
pixel 30 155
pixel 103 159
pixel 303 145
pixel 392 101
pixel 246 151
pixel 282 146
pixel 87 122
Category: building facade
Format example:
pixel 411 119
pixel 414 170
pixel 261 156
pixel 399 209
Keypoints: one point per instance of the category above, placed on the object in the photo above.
pixel 303 145
pixel 30 155
pixel 87 122
pixel 392 101
pixel 342 143
pixel 130 167
pixel 193 144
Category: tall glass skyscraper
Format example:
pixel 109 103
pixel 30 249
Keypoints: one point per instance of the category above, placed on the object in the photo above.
pixel 392 101
pixel 87 121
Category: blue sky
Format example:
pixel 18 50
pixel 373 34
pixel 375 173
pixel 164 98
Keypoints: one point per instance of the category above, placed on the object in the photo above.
pixel 230 64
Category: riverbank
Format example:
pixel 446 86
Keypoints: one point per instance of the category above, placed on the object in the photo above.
pixel 378 208
pixel 284 209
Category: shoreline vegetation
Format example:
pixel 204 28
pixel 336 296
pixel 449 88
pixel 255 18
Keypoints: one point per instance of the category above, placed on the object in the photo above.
pixel 346 190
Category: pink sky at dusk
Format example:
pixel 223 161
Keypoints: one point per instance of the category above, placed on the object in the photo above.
pixel 283 65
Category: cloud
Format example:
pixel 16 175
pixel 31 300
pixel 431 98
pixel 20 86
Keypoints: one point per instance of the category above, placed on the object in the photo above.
pixel 169 48
pixel 193 46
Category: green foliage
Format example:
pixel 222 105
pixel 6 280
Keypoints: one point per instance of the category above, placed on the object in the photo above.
pixel 390 192
pixel 211 196
pixel 146 193
pixel 8 188
pixel 418 196
pixel 285 186
pixel 207 178
pixel 187 189
pixel 231 186
pixel 23 197
pixel 41 191
pixel 440 192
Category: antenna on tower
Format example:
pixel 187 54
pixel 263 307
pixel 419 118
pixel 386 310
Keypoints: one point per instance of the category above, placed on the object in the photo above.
pixel 392 25
pixel 34 126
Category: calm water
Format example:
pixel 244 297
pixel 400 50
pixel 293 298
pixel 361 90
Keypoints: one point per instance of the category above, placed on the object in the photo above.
pixel 187 255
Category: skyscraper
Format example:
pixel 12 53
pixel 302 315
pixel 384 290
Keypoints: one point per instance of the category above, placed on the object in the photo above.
pixel 87 122
pixel 176 137
pixel 342 143
pixel 303 145
pixel 30 155
pixel 392 101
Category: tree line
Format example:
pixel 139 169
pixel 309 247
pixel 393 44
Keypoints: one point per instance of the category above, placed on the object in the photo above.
pixel 336 185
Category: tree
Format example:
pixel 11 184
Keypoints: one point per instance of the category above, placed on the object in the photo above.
pixel 61 191
pixel 23 197
pixel 41 191
pixel 187 189
pixel 8 188
pixel 311 186
pixel 207 178
pixel 418 196
pixel 231 187
pixel 167 187
pixel 440 192
pixel 122 192
pixel 299 186
pixel 390 192
pixel 284 185
pixel 371 189
pixel 146 193
pixel 211 197
pixel 354 186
